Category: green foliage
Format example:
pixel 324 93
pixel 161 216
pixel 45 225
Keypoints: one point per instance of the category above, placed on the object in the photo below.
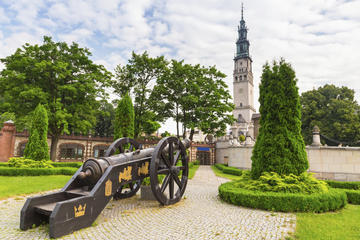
pixel 37 147
pixel 9 171
pixel 279 147
pixel 196 162
pixel 353 196
pixel 62 78
pixel 229 170
pixel 165 134
pixel 242 138
pixel 352 190
pixel 345 185
pixel 332 200
pixel 20 162
pixel 232 171
pixel 150 126
pixel 104 120
pixel 134 78
pixel 67 164
pixel 6 116
pixel 124 118
pixel 146 181
pixel 195 96
pixel 334 110
pixel 305 183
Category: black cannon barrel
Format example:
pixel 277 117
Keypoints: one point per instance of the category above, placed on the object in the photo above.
pixel 94 168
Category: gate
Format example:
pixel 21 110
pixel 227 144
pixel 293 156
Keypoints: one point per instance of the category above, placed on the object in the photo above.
pixel 204 153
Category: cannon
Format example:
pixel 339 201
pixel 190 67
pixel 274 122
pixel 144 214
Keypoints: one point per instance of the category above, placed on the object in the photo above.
pixel 117 175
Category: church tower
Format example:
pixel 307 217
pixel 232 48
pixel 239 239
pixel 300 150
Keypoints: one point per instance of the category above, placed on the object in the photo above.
pixel 243 85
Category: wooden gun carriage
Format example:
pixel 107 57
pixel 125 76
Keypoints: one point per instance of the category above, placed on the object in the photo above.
pixel 116 176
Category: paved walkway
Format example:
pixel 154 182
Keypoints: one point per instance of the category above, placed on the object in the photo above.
pixel 201 215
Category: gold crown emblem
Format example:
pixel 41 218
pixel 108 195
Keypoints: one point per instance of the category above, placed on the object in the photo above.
pixel 108 188
pixel 126 174
pixel 144 169
pixel 80 211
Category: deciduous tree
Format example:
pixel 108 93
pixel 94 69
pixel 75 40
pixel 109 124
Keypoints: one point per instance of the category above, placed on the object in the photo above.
pixel 61 77
pixel 335 111
pixel 124 118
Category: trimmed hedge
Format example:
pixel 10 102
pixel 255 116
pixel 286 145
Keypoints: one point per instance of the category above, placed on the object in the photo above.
pixel 7 171
pixel 353 196
pixel 67 164
pixel 284 202
pixel 4 164
pixel 232 171
pixel 345 185
pixel 229 170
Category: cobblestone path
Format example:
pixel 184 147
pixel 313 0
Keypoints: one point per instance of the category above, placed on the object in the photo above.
pixel 200 215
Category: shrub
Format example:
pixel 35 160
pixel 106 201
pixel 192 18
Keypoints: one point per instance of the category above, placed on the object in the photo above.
pixel 21 162
pixel 146 181
pixel 280 146
pixel 353 196
pixel 4 164
pixel 232 171
pixel 242 138
pixel 285 202
pixel 273 182
pixel 37 147
pixel 345 185
pixel 196 162
pixel 220 166
pixel 8 171
pixel 67 164
pixel 124 118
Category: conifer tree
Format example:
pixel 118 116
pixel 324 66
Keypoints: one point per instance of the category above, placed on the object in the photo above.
pixel 124 118
pixel 280 146
pixel 37 147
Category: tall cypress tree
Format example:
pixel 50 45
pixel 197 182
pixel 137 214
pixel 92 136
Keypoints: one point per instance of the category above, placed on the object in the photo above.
pixel 280 146
pixel 124 118
pixel 37 147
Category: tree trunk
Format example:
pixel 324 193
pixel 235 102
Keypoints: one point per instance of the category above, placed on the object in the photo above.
pixel 177 121
pixel 54 142
pixel 191 134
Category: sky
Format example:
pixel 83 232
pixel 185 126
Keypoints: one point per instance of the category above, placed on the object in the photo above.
pixel 320 38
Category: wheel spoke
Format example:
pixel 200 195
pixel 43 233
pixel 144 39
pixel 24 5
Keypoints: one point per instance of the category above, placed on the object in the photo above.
pixel 176 159
pixel 131 185
pixel 171 188
pixel 166 161
pixel 163 171
pixel 131 148
pixel 165 183
pixel 171 153
pixel 177 180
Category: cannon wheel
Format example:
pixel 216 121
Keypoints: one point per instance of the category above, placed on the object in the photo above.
pixel 124 145
pixel 165 161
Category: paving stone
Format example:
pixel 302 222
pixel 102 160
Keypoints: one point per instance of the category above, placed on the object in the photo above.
pixel 200 215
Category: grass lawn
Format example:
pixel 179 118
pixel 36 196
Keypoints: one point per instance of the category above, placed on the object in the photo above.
pixel 11 186
pixel 219 173
pixel 192 171
pixel 343 224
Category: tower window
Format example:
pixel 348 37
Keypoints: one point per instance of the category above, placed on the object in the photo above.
pixel 244 77
pixel 236 78
pixel 240 104
pixel 240 78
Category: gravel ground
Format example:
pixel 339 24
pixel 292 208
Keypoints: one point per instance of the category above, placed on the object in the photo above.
pixel 200 215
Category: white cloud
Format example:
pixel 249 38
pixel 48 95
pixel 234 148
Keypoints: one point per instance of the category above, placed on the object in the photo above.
pixel 320 38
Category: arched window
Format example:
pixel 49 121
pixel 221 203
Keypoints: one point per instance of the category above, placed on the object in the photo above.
pixel 244 77
pixel 236 78
pixel 21 149
pixel 71 151
pixel 240 78
pixel 240 104
pixel 99 150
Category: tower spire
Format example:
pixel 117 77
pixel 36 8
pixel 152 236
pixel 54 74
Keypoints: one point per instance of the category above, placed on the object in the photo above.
pixel 242 11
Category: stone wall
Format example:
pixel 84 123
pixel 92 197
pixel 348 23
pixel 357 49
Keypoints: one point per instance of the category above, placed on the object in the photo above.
pixel 337 163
